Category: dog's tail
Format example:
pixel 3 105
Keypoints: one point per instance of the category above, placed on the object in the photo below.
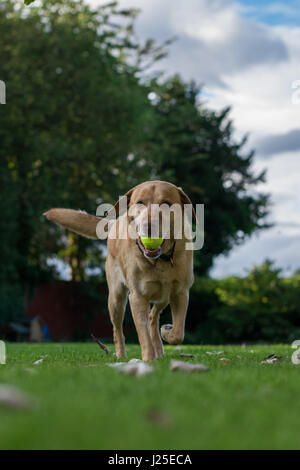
pixel 77 221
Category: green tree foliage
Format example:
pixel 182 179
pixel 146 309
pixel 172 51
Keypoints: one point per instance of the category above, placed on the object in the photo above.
pixel 260 307
pixel 74 111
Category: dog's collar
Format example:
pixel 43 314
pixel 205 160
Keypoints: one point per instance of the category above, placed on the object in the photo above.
pixel 169 257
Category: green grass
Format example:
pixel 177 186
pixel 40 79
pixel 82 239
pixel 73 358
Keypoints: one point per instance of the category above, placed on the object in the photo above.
pixel 80 403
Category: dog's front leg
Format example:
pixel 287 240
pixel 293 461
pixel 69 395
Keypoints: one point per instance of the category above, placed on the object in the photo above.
pixel 140 313
pixel 174 334
pixel 154 329
pixel 116 307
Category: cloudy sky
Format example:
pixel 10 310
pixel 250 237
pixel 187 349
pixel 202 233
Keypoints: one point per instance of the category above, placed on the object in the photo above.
pixel 246 53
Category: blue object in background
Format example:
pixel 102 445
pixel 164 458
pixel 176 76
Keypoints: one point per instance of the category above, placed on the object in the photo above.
pixel 46 332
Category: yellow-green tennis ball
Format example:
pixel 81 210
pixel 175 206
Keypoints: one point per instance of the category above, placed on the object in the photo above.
pixel 151 243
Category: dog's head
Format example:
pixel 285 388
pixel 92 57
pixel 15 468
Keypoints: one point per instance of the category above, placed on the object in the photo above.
pixel 155 209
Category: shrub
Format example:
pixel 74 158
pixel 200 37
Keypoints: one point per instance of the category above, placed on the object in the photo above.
pixel 261 307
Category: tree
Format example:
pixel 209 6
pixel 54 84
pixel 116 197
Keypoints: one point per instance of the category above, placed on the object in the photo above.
pixel 74 111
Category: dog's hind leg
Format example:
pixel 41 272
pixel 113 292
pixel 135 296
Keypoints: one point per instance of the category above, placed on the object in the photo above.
pixel 140 314
pixel 116 306
pixel 154 329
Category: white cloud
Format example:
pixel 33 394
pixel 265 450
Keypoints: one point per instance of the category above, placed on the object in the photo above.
pixel 283 183
pixel 261 96
pixel 282 242
pixel 270 244
pixel 213 38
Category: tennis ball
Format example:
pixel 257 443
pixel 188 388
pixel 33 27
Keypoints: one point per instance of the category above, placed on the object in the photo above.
pixel 151 243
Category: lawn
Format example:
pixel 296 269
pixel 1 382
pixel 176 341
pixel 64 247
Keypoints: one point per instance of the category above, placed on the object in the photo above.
pixel 80 403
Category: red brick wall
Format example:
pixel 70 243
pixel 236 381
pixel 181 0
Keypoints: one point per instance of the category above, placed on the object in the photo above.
pixel 69 313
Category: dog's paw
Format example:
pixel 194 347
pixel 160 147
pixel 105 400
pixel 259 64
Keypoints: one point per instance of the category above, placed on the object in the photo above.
pixel 170 336
pixel 164 331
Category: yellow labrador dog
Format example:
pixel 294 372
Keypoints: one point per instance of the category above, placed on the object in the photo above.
pixel 155 277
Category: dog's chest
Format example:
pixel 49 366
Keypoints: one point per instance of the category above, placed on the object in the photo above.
pixel 155 291
pixel 157 285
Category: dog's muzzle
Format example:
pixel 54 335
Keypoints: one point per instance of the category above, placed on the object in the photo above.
pixel 147 252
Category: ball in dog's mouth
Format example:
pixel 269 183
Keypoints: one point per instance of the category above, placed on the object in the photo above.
pixel 151 247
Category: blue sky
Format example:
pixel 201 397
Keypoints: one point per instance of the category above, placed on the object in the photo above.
pixel 272 12
pixel 247 55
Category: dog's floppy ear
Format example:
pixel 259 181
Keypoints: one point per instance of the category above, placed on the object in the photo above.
pixel 79 222
pixel 115 211
pixel 186 200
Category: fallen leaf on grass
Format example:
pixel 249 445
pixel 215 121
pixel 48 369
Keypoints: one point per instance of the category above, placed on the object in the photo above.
pixel 225 360
pixel 138 368
pixel 39 361
pixel 178 348
pixel 11 397
pixel 271 359
pixel 159 417
pixel 214 352
pixel 187 355
pixel 187 367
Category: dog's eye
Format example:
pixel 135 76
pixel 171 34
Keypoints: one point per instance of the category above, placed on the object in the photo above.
pixel 139 202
